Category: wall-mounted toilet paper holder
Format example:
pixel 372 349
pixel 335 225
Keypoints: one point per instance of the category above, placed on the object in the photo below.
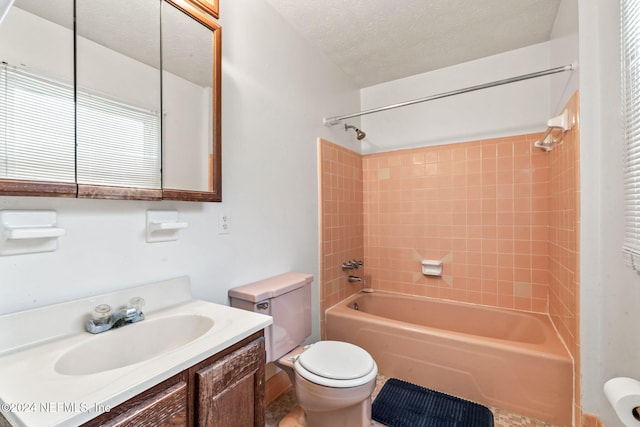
pixel 624 395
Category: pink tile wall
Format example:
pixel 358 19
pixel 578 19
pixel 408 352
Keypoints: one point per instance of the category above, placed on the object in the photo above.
pixel 488 209
pixel 564 241
pixel 502 215
pixel 481 207
pixel 589 420
pixel 341 222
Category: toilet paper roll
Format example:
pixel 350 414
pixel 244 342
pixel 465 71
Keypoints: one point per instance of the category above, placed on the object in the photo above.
pixel 624 395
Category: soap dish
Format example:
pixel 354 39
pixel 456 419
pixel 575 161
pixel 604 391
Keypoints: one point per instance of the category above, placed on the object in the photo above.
pixel 431 267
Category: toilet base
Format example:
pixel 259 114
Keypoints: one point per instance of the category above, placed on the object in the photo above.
pixel 320 406
pixel 336 407
pixel 295 418
pixel 354 416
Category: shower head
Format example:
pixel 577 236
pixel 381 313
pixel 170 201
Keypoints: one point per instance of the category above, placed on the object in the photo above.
pixel 359 134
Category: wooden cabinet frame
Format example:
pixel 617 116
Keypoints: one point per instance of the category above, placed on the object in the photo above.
pixel 201 11
pixel 211 6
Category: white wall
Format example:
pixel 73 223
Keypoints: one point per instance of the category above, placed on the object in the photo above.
pixel 44 47
pixel 512 109
pixel 567 20
pixel 564 46
pixel 187 112
pixel 610 292
pixel 276 89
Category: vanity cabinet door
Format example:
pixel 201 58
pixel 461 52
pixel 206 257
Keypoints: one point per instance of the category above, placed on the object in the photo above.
pixel 227 389
pixel 162 406
pixel 230 391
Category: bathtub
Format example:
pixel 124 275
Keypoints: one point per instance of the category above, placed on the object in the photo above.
pixel 503 358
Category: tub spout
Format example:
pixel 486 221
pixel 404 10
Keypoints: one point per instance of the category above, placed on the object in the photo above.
pixel 356 279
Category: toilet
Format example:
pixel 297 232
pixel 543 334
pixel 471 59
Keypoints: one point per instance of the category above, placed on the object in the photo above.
pixel 333 380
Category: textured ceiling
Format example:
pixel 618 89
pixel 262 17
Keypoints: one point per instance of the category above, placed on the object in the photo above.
pixel 375 41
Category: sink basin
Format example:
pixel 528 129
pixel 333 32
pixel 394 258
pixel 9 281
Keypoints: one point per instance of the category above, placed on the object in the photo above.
pixel 131 344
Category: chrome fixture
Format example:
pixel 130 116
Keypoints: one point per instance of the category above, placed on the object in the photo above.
pixel 332 121
pixel 359 134
pixel 103 318
pixel 557 127
pixel 355 279
pixel 352 265
pixel 355 306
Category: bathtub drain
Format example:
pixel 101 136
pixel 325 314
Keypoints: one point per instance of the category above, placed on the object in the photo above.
pixel 355 306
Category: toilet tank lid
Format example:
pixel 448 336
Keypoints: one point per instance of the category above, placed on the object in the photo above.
pixel 271 287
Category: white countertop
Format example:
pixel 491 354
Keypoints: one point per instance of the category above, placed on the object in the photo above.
pixel 32 393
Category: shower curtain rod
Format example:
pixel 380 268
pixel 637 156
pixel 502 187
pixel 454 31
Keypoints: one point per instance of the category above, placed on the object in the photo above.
pixel 332 121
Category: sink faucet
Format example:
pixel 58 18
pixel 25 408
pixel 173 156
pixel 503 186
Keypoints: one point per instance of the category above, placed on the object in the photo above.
pixel 103 318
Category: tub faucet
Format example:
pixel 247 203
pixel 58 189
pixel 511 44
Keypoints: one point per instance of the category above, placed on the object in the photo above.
pixel 103 318
pixel 356 279
pixel 351 265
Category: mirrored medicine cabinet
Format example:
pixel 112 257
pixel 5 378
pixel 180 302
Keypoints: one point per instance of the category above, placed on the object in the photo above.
pixel 123 105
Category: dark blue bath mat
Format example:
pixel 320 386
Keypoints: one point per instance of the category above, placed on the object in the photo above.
pixel 402 404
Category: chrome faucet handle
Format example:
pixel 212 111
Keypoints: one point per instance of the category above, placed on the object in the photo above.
pixel 348 266
pixel 133 311
pixel 129 312
pixel 137 302
pixel 102 319
pixel 352 265
pixel 101 314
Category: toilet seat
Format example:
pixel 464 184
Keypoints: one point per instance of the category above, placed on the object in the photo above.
pixel 336 364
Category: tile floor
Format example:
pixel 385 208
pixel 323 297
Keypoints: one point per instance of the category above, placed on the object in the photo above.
pixel 282 406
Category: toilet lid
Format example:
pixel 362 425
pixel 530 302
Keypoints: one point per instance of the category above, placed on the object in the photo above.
pixel 336 364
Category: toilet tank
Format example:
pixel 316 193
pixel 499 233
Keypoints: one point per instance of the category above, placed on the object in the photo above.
pixel 286 298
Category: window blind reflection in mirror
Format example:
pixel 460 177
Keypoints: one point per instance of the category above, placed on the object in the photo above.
pixel 36 92
pixel 118 100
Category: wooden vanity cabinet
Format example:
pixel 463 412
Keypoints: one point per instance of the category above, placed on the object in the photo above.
pixel 226 389
pixel 162 405
pixel 230 390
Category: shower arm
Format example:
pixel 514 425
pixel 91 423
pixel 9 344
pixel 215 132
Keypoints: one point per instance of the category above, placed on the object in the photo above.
pixel 332 121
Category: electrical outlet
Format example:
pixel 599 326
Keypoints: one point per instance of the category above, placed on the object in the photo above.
pixel 223 223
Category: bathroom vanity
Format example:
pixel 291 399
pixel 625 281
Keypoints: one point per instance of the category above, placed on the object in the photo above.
pixel 226 389
pixel 189 362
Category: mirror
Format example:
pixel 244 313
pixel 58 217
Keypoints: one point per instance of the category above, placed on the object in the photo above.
pixel 190 103
pixel 37 146
pixel 118 97
pixel 138 123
